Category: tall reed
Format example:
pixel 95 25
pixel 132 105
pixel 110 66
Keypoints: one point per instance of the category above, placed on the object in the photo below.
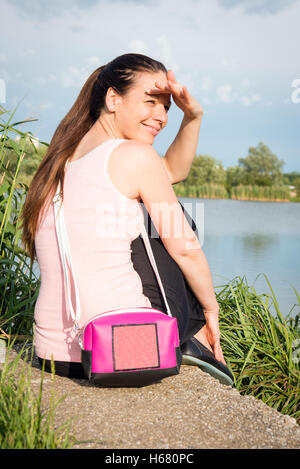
pixel 24 424
pixel 209 190
pixel 19 286
pixel 262 193
pixel 261 346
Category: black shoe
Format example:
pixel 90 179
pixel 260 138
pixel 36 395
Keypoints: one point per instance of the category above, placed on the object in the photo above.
pixel 195 353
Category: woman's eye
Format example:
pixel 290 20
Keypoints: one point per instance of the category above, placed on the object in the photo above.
pixel 152 101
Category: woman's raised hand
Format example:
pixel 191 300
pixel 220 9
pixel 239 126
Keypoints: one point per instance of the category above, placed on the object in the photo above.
pixel 182 98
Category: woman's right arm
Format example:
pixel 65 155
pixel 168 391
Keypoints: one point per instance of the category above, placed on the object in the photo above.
pixel 140 164
pixel 148 175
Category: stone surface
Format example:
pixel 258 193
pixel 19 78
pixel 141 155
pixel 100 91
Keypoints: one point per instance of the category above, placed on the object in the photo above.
pixel 189 411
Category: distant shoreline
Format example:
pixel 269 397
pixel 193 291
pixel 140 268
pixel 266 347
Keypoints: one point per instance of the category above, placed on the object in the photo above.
pixel 242 199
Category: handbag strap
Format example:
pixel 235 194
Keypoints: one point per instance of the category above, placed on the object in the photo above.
pixel 65 255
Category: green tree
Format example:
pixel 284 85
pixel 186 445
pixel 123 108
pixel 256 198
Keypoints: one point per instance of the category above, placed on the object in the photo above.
pixel 261 167
pixel 291 178
pixel 206 169
pixel 297 186
pixel 234 176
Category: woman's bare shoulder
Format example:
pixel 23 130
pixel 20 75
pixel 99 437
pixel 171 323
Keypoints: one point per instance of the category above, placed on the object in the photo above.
pixel 135 147
pixel 125 166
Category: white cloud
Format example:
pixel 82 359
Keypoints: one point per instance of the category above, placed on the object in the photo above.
pixel 166 53
pixel 43 9
pixel 249 100
pixel 74 77
pixel 246 83
pixel 224 93
pixel 258 6
pixel 76 28
pixel 256 98
pixel 206 84
pixel 230 64
pixel 28 103
pixel 93 60
pixel 45 106
pixel 28 52
pixel 227 95
pixel 138 46
pixel 186 79
pixel 206 100
pixel 45 80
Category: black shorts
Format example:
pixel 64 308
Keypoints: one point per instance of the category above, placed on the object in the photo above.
pixel 182 301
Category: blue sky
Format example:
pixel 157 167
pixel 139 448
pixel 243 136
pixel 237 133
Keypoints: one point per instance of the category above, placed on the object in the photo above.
pixel 240 59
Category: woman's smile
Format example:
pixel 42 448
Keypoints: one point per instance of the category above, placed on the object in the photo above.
pixel 151 129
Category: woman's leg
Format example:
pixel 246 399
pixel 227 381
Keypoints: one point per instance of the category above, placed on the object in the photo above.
pixel 182 301
pixel 66 369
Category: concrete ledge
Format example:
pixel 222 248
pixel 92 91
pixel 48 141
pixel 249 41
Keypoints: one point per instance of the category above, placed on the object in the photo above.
pixel 188 411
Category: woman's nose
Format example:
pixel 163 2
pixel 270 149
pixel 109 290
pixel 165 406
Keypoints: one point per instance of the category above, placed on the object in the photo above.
pixel 161 114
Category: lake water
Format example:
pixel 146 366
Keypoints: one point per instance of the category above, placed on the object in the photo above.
pixel 248 238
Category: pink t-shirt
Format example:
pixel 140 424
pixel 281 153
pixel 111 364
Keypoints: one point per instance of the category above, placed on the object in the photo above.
pixel 101 223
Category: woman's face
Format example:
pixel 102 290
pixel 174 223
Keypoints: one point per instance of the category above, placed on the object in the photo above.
pixel 141 116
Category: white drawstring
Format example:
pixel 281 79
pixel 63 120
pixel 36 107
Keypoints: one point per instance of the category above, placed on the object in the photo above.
pixel 65 254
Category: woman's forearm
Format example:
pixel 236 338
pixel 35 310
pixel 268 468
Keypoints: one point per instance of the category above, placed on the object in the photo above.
pixel 197 273
pixel 182 150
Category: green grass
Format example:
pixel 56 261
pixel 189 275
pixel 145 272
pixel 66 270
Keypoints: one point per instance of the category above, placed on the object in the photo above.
pixel 261 347
pixel 23 422
pixel 240 192
pixel 19 286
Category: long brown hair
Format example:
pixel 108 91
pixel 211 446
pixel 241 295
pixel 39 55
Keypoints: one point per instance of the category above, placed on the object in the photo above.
pixel 120 74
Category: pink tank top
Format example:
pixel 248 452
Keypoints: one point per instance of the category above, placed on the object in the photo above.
pixel 101 223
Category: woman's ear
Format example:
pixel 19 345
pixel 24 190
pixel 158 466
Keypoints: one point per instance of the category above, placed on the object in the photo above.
pixel 112 99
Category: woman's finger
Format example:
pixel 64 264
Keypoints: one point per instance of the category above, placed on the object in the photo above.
pixel 176 87
pixel 171 76
pixel 219 354
pixel 159 89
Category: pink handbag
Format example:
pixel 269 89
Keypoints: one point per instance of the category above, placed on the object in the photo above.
pixel 122 347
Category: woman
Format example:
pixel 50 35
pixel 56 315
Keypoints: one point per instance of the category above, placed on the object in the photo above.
pixel 102 154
